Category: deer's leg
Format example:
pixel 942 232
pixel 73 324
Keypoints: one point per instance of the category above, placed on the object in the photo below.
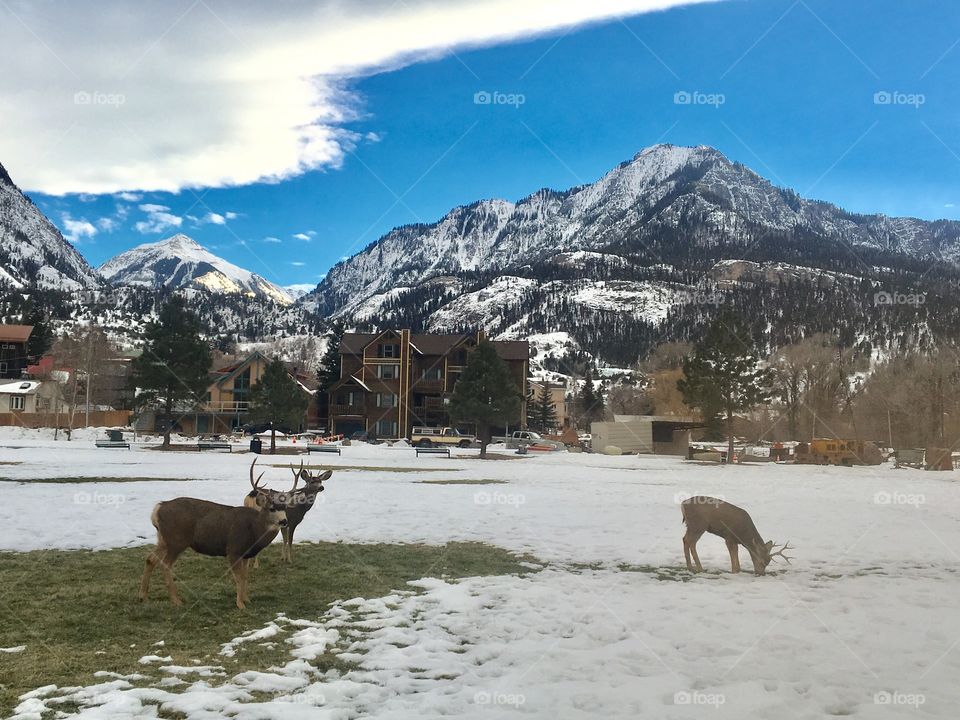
pixel 734 549
pixel 289 542
pixel 690 550
pixel 246 580
pixel 238 570
pixel 148 567
pixel 166 561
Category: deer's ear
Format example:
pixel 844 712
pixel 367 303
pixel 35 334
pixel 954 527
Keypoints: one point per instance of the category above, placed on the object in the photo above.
pixel 769 545
pixel 324 476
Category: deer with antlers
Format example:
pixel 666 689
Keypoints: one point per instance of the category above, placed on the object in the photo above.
pixel 717 517
pixel 237 533
pixel 297 503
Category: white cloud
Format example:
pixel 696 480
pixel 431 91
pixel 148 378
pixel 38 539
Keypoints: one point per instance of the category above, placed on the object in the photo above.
pixel 305 236
pixel 215 218
pixel 297 263
pixel 107 224
pixel 75 230
pixel 272 240
pixel 129 196
pixel 230 215
pixel 159 219
pixel 216 94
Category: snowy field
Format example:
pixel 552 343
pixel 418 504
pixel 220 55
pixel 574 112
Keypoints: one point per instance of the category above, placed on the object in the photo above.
pixel 865 621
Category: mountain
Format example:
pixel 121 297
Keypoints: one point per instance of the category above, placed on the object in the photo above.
pixel 33 253
pixel 180 262
pixel 636 257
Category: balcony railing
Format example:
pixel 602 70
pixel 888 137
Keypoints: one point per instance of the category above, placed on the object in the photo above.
pixel 226 406
pixel 347 410
pixel 428 385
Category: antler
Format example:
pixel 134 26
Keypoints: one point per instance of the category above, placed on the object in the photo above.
pixel 786 546
pixel 296 475
pixel 255 483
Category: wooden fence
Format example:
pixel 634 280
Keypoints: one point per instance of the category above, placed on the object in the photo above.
pixel 98 418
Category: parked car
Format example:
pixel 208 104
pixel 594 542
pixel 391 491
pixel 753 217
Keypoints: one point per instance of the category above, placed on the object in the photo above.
pixel 365 436
pixel 525 438
pixel 429 436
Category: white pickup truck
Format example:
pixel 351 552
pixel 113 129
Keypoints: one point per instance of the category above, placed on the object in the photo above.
pixel 429 437
pixel 524 438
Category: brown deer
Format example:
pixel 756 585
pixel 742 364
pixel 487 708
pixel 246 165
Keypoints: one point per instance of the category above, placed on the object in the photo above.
pixel 237 533
pixel 707 514
pixel 297 502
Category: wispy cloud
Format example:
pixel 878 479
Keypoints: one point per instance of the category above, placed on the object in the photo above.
pixel 305 236
pixel 271 239
pixel 159 219
pixel 297 263
pixel 75 230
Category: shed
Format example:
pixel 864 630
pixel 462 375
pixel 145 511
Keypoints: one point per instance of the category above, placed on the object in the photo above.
pixel 645 434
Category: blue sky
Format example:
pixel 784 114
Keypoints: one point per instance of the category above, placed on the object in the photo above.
pixel 788 88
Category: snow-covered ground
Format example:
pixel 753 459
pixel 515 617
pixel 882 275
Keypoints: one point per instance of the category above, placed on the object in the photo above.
pixel 864 622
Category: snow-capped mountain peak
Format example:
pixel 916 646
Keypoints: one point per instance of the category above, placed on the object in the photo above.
pixel 181 262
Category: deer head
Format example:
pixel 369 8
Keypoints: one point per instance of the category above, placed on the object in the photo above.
pixel 765 553
pixel 313 484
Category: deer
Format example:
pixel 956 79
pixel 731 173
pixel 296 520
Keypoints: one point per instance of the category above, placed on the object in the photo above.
pixel 297 503
pixel 708 514
pixel 209 528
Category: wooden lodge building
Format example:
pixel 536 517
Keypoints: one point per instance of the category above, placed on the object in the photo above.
pixel 395 380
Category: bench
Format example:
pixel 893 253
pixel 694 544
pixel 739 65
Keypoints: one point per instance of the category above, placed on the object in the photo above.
pixel 323 449
pixel 432 451
pixel 213 445
pixel 113 444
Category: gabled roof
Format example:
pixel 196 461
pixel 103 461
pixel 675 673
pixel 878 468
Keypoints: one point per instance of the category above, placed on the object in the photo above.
pixel 15 333
pixel 224 374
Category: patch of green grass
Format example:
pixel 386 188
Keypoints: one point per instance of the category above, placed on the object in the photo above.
pixel 73 480
pixel 674 574
pixel 77 612
pixel 465 481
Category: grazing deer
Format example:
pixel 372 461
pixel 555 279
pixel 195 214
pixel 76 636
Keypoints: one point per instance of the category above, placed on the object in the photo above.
pixel 297 502
pixel 707 514
pixel 237 533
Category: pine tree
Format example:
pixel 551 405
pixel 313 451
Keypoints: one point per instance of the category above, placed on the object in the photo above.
pixel 485 394
pixel 41 338
pixel 329 371
pixel 278 399
pixel 174 367
pixel 723 376
pixel 544 409
pixel 590 402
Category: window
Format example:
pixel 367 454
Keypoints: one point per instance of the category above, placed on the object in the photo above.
pixel 346 398
pixel 389 350
pixel 434 373
pixel 17 402
pixel 386 400
pixel 388 372
pixel 386 428
pixel 241 387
